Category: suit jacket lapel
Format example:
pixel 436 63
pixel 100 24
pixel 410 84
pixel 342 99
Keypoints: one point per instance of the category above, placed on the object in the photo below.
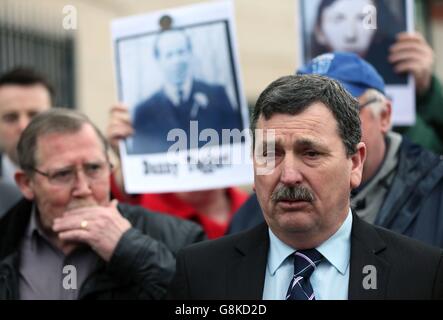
pixel 369 272
pixel 246 273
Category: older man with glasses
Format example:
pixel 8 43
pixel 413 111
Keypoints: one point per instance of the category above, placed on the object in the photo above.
pixel 67 239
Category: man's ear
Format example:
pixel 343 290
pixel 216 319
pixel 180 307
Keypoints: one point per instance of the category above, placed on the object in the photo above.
pixel 385 117
pixel 25 184
pixel 358 160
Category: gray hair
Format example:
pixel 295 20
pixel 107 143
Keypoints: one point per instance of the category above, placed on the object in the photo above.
pixel 295 93
pixel 379 104
pixel 57 120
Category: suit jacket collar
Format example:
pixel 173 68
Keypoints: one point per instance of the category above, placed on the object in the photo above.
pixel 366 262
pixel 246 272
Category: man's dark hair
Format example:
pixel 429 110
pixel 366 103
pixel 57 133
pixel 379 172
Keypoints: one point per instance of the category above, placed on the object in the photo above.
pixel 294 94
pixel 24 76
pixel 163 32
pixel 56 120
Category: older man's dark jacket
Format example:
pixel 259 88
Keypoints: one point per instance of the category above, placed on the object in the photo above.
pixel 141 267
pixel 413 205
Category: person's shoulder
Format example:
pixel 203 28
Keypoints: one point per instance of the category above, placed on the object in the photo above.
pixel 251 204
pixel 404 247
pixel 9 195
pixel 16 213
pixel 247 216
pixel 237 196
pixel 162 226
pixel 13 225
pixel 230 245
pixel 398 257
pixel 144 218
pixel 419 159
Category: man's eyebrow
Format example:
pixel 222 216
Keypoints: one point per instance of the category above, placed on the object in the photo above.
pixel 61 168
pixel 309 143
pixel 299 143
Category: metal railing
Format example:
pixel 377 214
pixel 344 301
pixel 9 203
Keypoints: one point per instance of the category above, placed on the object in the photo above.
pixel 34 38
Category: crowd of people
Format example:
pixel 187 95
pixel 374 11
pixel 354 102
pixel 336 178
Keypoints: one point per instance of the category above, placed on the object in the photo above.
pixel 346 190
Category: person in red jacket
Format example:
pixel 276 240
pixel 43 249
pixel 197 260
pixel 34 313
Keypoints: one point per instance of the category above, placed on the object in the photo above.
pixel 212 209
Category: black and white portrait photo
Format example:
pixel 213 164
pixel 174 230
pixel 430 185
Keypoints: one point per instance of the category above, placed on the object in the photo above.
pixel 179 78
pixel 368 28
pixel 365 27
pixel 177 71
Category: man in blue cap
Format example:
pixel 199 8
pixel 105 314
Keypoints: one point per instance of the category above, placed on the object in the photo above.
pixel 402 183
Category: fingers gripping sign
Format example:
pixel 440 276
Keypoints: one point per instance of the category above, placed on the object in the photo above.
pixel 119 126
pixel 100 227
pixel 411 53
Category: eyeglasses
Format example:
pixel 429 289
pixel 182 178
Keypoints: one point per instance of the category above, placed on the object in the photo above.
pixel 66 176
pixel 370 101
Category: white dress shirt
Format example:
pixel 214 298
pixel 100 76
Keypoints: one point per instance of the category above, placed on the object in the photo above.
pixel 329 280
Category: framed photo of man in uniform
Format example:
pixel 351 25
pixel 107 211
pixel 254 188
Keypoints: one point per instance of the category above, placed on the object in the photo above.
pixel 365 27
pixel 178 72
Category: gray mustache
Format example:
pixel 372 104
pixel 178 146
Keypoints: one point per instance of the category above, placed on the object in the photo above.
pixel 295 193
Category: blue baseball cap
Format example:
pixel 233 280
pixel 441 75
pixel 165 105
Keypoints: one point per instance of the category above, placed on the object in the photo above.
pixel 354 73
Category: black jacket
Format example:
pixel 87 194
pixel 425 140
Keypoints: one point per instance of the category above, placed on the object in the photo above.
pixel 141 267
pixel 413 205
pixel 234 267
pixel 9 193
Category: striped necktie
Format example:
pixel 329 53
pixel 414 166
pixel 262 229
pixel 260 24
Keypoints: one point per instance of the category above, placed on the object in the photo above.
pixel 305 262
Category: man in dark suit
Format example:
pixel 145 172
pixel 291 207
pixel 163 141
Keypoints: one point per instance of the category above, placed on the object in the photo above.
pixel 307 159
pixel 402 184
pixel 181 99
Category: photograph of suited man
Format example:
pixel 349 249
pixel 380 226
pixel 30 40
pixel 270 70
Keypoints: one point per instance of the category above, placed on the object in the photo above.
pixel 181 99
pixel 311 245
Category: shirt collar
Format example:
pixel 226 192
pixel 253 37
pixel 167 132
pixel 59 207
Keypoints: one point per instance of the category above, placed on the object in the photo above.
pixel 278 252
pixel 33 224
pixel 337 249
pixel 34 227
